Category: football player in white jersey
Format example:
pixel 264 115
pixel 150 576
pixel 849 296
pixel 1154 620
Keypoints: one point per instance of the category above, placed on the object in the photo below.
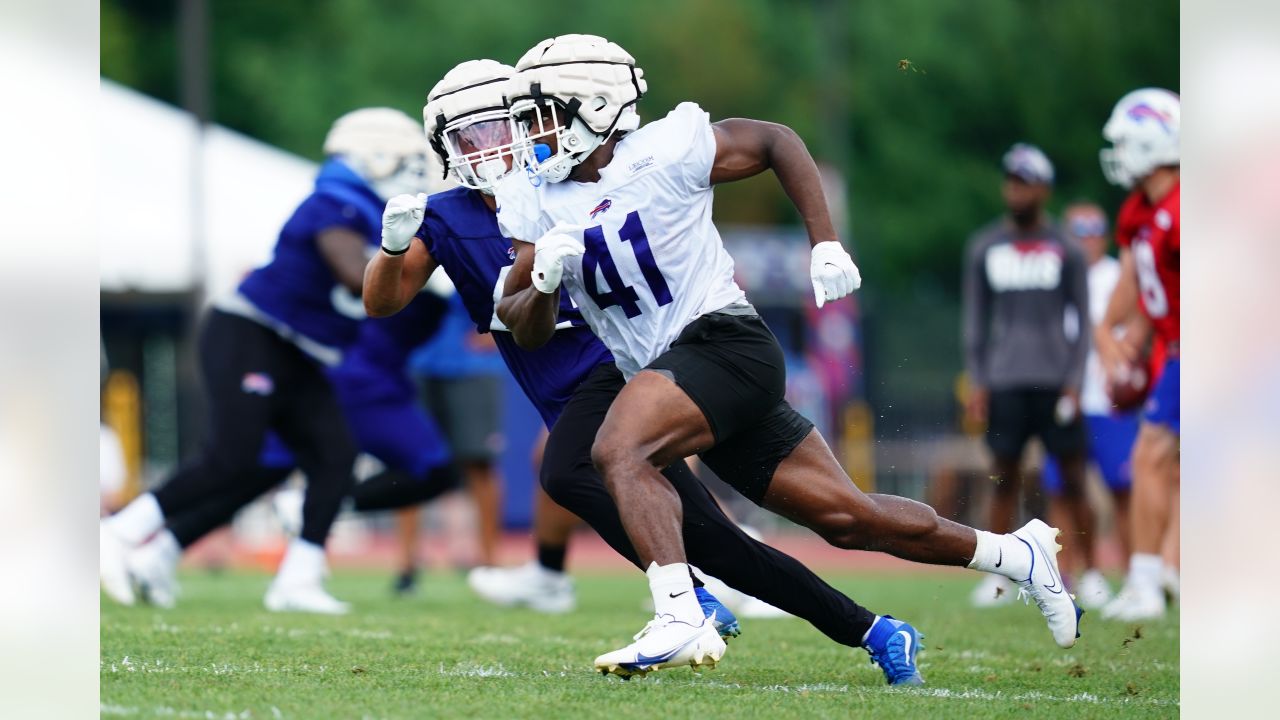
pixel 622 214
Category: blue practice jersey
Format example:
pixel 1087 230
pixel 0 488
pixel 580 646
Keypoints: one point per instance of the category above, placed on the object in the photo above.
pixel 297 289
pixel 376 366
pixel 452 354
pixel 377 397
pixel 462 235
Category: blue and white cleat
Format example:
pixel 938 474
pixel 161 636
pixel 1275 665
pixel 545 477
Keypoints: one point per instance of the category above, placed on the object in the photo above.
pixel 665 642
pixel 1044 583
pixel 893 645
pixel 725 622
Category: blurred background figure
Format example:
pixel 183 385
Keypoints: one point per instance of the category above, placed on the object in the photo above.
pixel 1144 156
pixel 542 583
pixel 112 470
pixel 411 459
pixel 1110 430
pixel 459 374
pixel 263 353
pixel 1020 277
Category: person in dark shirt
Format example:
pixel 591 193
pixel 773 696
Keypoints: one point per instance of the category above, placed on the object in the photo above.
pixel 1021 274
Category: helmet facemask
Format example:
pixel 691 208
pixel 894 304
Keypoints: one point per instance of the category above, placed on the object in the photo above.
pixel 571 93
pixel 482 148
pixel 554 141
pixel 468 123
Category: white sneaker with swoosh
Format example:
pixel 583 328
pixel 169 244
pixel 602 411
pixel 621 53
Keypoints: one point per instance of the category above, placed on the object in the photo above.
pixel 665 642
pixel 1044 584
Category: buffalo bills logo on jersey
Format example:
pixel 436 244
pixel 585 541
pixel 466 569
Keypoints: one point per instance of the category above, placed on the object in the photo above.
pixel 604 206
pixel 1143 110
pixel 256 383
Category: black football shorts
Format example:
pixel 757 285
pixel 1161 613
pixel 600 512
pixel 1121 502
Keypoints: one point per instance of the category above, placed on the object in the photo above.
pixel 733 369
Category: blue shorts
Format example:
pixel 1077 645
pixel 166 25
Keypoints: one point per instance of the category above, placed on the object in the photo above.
pixel 1111 439
pixel 1164 406
pixel 397 432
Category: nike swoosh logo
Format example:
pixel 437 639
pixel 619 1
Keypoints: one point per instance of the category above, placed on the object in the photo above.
pixel 1001 557
pixel 1057 580
pixel 676 595
pixel 642 659
pixel 906 643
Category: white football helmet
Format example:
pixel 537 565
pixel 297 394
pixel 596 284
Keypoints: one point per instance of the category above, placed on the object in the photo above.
pixel 579 89
pixel 383 146
pixel 1143 131
pixel 469 124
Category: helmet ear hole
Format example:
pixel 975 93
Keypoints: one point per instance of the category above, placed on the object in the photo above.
pixel 599 103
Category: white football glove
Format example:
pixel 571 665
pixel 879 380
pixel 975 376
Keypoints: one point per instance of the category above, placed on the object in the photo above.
pixel 562 241
pixel 832 271
pixel 400 222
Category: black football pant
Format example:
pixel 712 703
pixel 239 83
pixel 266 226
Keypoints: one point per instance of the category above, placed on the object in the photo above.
pixel 256 381
pixel 388 490
pixel 713 542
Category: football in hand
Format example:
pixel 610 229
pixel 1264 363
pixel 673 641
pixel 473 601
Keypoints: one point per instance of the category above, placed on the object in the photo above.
pixel 1129 388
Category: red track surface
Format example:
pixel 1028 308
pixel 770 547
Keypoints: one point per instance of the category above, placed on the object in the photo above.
pixel 587 552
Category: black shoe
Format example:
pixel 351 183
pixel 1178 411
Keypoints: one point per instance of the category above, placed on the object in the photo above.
pixel 406 583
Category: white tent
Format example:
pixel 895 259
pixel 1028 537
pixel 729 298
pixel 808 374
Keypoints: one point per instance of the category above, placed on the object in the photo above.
pixel 175 203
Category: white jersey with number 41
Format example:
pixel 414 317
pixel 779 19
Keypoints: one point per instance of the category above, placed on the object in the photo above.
pixel 654 261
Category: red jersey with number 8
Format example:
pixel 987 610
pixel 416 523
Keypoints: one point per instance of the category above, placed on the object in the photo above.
pixel 1153 234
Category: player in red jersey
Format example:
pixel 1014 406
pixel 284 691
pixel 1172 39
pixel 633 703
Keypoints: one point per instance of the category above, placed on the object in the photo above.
pixel 1143 130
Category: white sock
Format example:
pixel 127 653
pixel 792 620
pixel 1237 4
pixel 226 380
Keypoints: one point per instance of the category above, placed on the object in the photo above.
pixel 1003 555
pixel 303 564
pixel 1144 572
pixel 138 520
pixel 673 594
pixel 867 634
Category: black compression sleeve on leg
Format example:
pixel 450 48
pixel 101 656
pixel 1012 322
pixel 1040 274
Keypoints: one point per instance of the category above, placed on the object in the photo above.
pixel 395 489
pixel 718 547
pixel 190 526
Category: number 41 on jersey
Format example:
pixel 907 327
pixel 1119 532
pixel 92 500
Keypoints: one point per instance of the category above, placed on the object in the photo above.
pixel 616 291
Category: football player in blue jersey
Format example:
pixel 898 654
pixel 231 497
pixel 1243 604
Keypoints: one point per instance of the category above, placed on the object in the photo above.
pixel 572 379
pixel 264 350
pixel 378 404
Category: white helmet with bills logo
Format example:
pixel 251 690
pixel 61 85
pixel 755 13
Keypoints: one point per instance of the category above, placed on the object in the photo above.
pixel 1143 132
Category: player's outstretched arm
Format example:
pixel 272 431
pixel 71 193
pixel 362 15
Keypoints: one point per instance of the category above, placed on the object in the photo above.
pixel 529 312
pixel 343 251
pixel 401 267
pixel 745 148
pixel 749 147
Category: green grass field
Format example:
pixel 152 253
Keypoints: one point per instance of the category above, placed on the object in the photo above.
pixel 446 654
